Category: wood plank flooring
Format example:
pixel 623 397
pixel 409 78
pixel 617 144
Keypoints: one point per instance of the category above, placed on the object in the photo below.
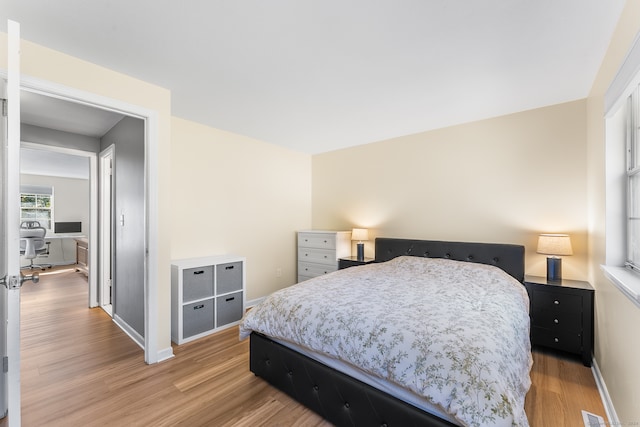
pixel 80 369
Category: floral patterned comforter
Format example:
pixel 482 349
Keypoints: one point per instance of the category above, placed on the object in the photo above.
pixel 455 333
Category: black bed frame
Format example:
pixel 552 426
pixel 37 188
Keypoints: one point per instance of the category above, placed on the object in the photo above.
pixel 343 400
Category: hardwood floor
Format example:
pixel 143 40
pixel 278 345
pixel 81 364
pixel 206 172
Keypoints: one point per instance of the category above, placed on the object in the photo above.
pixel 78 368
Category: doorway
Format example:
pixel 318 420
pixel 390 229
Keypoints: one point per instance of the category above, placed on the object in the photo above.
pixel 150 198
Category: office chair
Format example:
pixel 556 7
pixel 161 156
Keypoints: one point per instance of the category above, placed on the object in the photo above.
pixel 32 243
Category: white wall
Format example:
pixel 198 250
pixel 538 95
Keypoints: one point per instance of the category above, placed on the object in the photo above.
pixel 71 197
pixel 70 204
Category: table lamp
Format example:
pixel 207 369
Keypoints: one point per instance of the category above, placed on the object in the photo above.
pixel 554 245
pixel 360 234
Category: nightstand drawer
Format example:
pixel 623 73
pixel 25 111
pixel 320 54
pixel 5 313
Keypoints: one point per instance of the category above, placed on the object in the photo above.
pixel 560 339
pixel 556 301
pixel 317 240
pixel 313 270
pixel 318 256
pixel 556 320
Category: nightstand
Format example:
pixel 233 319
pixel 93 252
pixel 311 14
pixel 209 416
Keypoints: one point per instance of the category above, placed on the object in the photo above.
pixel 562 315
pixel 352 261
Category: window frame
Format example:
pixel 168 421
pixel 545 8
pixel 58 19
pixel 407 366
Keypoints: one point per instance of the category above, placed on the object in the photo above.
pixel 633 186
pixel 46 222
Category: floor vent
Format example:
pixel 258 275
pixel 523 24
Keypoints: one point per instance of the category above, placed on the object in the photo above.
pixel 592 420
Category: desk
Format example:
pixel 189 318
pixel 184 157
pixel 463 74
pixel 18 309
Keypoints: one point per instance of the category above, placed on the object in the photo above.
pixel 82 255
pixel 62 250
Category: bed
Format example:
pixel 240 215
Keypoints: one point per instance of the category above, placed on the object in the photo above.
pixel 432 334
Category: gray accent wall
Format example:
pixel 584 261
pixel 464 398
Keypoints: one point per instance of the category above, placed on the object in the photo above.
pixel 129 239
pixel 56 138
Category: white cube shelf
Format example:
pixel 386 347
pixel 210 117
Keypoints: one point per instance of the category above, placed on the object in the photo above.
pixel 207 295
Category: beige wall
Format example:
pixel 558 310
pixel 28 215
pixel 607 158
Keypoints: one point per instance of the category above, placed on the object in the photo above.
pixel 44 64
pixel 501 180
pixel 617 344
pixel 233 194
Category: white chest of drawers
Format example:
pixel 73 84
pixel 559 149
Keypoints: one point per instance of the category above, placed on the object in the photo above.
pixel 319 251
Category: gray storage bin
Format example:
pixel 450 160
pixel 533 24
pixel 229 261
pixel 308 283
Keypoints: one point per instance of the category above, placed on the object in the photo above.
pixel 197 283
pixel 229 277
pixel 197 317
pixel 229 308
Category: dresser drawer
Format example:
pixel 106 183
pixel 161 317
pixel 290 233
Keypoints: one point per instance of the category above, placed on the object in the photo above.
pixel 559 339
pixel 317 240
pixel 556 301
pixel 312 270
pixel 319 256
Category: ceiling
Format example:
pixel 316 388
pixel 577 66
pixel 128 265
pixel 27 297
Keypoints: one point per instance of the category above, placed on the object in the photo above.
pixel 53 113
pixel 319 75
pixel 51 163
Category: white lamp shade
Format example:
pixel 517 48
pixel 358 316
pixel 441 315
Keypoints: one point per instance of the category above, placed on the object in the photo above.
pixel 554 244
pixel 360 234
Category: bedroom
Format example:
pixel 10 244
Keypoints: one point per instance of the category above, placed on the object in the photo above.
pixel 343 188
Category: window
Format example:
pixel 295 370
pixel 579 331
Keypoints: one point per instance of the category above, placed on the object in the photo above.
pixel 36 204
pixel 633 179
pixel 622 178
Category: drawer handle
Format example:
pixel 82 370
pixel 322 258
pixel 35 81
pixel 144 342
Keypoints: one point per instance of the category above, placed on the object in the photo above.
pixel 230 299
pixel 229 267
pixel 556 321
pixel 198 307
pixel 556 302
pixel 556 340
pixel 199 272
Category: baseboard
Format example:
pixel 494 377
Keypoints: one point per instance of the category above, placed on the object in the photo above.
pixel 135 336
pixel 254 302
pixel 604 395
pixel 162 355
pixel 165 354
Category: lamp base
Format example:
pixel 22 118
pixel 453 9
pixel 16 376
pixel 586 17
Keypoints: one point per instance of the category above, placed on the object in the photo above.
pixel 554 269
pixel 360 255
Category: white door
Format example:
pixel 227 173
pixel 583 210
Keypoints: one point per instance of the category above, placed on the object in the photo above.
pixel 10 219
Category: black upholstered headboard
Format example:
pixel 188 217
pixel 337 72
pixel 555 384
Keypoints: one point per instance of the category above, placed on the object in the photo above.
pixel 508 257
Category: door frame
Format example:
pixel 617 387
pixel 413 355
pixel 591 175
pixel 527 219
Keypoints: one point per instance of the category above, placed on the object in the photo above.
pixel 151 209
pixel 105 280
